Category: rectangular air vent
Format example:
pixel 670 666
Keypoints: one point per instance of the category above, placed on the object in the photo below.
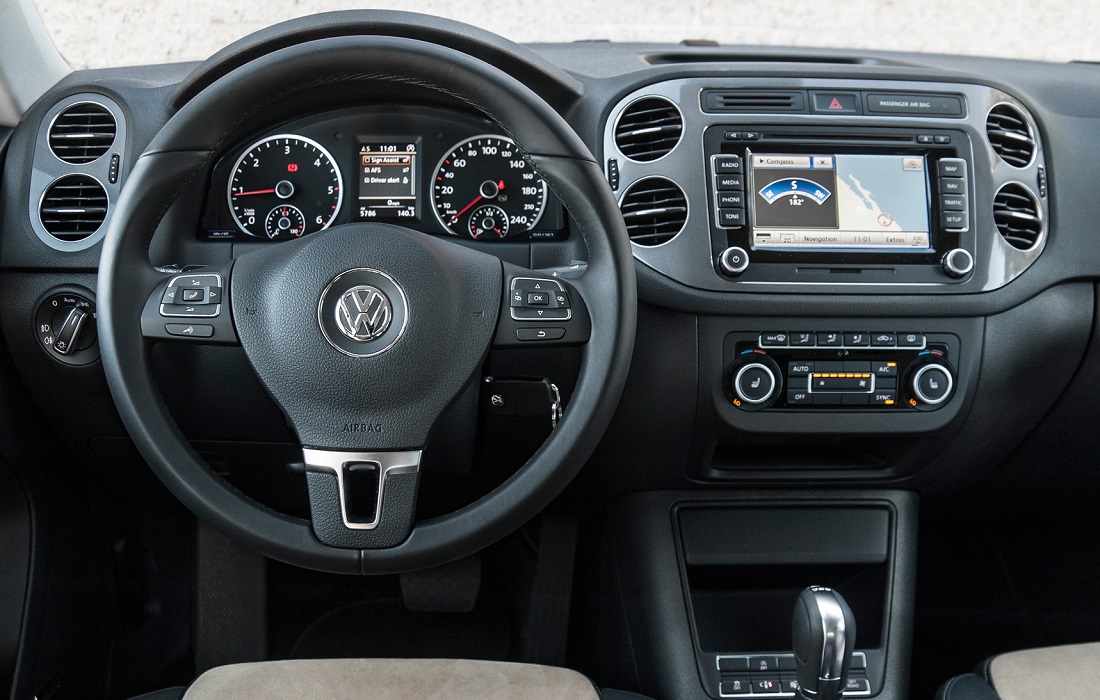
pixel 753 101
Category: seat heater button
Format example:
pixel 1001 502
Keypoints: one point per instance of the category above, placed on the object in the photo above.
pixel 189 330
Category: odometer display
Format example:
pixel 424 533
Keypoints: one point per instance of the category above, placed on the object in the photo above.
pixel 485 189
pixel 285 186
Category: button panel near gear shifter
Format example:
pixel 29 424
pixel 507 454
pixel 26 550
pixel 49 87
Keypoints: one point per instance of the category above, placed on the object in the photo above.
pixel 772 676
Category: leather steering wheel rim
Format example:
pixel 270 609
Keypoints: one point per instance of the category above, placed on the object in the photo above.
pixel 185 147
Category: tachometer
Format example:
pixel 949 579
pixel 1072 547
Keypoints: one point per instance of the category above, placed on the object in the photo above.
pixel 285 186
pixel 484 188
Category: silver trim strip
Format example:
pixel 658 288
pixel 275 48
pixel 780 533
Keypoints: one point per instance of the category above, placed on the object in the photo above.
pixel 387 463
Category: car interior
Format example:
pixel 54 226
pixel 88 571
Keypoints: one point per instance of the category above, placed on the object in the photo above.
pixel 379 356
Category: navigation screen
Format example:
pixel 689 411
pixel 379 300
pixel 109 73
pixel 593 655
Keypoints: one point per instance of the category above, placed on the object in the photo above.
pixel 839 201
pixel 387 180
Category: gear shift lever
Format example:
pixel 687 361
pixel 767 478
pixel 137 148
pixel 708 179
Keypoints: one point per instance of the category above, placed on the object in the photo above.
pixel 824 633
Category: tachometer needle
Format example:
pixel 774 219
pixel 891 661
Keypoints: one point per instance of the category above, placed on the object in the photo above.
pixel 466 208
pixel 241 194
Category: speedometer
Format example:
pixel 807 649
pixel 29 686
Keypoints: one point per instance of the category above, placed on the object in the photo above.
pixel 285 186
pixel 484 188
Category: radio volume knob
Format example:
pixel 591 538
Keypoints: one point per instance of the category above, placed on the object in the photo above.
pixel 932 383
pixel 754 382
pixel 958 263
pixel 733 261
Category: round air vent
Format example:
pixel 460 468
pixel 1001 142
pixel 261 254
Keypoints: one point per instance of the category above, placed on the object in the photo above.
pixel 1010 135
pixel 655 210
pixel 648 129
pixel 1018 217
pixel 73 208
pixel 82 133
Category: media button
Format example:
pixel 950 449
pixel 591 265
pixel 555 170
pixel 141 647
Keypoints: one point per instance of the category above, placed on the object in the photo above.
pixel 729 182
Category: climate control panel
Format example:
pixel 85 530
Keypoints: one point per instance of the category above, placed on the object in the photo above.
pixel 840 370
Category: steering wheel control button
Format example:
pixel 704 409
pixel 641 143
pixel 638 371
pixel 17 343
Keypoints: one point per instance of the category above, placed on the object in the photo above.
pixel 754 383
pixel 192 296
pixel 540 333
pixel 189 330
pixel 932 384
pixel 362 312
pixel 539 300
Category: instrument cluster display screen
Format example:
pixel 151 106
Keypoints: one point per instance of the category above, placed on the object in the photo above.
pixel 839 201
pixel 388 180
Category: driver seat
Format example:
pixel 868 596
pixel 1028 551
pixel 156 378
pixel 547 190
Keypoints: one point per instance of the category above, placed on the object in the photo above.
pixel 389 679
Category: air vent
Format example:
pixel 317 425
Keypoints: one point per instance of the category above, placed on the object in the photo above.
pixel 655 210
pixel 82 133
pixel 741 101
pixel 73 208
pixel 648 129
pixel 1010 135
pixel 1017 215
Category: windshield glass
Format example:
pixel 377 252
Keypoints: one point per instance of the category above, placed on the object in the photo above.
pixel 135 32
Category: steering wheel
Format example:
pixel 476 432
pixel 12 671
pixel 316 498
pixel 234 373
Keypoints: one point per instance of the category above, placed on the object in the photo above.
pixel 363 333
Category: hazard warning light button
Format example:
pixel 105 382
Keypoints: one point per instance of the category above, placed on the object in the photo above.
pixel 835 102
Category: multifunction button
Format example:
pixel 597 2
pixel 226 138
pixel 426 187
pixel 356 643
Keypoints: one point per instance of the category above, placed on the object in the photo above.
pixel 192 296
pixel 539 300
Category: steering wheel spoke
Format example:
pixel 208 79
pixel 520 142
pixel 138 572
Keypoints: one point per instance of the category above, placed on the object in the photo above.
pixel 362 500
pixel 540 308
pixel 191 307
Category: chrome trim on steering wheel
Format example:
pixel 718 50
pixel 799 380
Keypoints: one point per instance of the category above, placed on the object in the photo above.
pixel 387 463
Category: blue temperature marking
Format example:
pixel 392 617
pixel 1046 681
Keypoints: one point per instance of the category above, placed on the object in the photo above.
pixel 791 186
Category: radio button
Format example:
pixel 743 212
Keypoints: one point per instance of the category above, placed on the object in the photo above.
pixel 729 182
pixel 884 340
pixel 952 185
pixel 952 167
pixel 955 220
pixel 774 340
pixel 731 218
pixel 804 340
pixel 953 202
pixel 884 368
pixel 911 340
pixel 856 340
pixel 830 340
pixel 796 368
pixel 799 398
pixel 728 164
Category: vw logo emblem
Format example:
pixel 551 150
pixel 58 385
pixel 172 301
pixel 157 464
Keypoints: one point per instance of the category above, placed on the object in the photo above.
pixel 363 313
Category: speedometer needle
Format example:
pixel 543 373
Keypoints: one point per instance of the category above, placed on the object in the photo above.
pixel 466 208
pixel 241 194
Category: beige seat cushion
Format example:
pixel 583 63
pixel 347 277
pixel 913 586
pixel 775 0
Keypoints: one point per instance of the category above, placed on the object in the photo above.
pixel 390 679
pixel 1062 673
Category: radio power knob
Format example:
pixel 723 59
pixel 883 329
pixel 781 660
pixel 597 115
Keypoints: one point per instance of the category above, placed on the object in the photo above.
pixel 733 261
pixel 754 382
pixel 958 263
pixel 932 383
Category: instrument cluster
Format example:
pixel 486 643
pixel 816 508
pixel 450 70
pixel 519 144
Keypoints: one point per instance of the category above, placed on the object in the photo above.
pixel 425 168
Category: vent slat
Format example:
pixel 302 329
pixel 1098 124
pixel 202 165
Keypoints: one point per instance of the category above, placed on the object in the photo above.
pixel 1016 213
pixel 73 208
pixel 649 129
pixel 82 133
pixel 1010 136
pixel 654 210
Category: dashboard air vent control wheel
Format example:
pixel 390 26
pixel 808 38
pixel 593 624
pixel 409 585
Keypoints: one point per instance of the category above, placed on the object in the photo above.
pixel 649 129
pixel 1018 216
pixel 1010 135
